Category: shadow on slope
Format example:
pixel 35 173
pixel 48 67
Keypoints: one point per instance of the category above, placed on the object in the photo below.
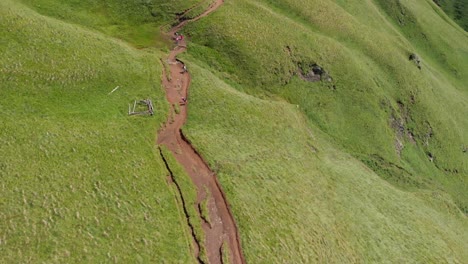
pixel 380 107
pixel 296 195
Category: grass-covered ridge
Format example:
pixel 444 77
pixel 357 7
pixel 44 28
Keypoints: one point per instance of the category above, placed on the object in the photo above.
pixel 379 107
pixel 298 199
pixel 81 181
pixel 369 167
pixel 293 188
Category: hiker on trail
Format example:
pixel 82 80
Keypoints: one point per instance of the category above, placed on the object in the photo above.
pixel 184 69
pixel 184 101
pixel 179 38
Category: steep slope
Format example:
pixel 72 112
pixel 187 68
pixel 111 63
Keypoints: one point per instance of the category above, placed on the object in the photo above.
pixel 407 124
pixel 400 119
pixel 337 130
pixel 137 22
pixel 456 9
pixel 298 199
pixel 80 180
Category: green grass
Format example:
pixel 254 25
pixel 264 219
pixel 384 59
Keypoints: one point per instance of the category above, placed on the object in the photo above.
pixel 365 48
pixel 310 169
pixel 81 180
pixel 198 9
pixel 137 22
pixel 328 206
pixel 299 199
pixel 189 193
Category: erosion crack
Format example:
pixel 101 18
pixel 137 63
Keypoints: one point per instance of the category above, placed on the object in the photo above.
pixel 184 206
pixel 202 215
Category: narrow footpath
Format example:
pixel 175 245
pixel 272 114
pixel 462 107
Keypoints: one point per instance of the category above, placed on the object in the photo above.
pixel 220 230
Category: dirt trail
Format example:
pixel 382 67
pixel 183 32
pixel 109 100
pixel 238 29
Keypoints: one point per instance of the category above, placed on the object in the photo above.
pixel 219 226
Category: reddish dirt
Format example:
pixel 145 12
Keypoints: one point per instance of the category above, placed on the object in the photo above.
pixel 220 229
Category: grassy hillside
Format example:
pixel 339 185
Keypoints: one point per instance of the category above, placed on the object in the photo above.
pixel 298 199
pixel 137 22
pixel 379 106
pixel 368 165
pixel 297 196
pixel 80 180
pixel 456 9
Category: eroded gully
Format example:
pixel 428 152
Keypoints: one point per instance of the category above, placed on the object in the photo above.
pixel 220 229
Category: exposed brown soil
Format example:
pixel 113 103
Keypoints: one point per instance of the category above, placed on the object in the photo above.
pixel 220 228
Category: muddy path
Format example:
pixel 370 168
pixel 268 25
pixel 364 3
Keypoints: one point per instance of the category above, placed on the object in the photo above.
pixel 220 229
